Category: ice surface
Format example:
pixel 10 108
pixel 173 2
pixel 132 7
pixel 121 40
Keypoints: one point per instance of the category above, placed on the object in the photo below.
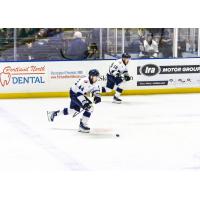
pixel 156 132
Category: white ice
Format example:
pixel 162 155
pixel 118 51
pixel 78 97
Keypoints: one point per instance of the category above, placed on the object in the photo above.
pixel 156 132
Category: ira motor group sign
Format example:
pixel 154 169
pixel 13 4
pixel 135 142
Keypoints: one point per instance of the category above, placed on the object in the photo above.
pixel 21 75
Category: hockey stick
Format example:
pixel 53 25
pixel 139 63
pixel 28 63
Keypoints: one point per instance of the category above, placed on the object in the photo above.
pixel 77 113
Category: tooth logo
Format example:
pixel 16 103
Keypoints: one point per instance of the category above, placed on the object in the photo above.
pixel 5 78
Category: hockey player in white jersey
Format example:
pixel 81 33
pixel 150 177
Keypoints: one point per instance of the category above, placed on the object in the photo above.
pixel 80 101
pixel 118 73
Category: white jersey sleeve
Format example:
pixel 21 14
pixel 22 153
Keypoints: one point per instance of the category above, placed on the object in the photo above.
pixel 118 67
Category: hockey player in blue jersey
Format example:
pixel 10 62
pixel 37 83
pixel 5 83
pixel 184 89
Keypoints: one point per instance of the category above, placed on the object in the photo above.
pixel 79 100
pixel 118 73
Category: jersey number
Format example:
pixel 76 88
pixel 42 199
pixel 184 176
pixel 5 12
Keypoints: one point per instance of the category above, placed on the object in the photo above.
pixel 81 88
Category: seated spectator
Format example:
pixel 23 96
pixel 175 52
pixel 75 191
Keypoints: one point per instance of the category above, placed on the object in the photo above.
pixel 149 48
pixel 42 33
pixel 77 48
pixel 157 38
pixel 166 45
pixel 93 51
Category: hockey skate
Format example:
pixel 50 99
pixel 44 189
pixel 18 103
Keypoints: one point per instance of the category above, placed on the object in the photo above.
pixel 116 100
pixel 51 115
pixel 83 128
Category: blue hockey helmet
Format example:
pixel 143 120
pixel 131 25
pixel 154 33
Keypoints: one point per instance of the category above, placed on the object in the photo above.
pixel 94 72
pixel 126 55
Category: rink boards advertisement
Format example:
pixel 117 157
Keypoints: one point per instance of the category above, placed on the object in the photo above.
pixel 54 78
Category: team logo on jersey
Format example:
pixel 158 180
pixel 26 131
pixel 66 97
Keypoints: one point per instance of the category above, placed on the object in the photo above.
pixel 149 70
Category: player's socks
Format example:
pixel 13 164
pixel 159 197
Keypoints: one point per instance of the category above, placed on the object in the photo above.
pixel 105 89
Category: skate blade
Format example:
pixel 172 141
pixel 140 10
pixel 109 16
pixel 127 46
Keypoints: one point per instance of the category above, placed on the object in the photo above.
pixel 83 131
pixel 117 102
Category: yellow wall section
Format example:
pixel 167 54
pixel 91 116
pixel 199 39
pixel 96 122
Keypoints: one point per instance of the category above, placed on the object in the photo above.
pixel 126 92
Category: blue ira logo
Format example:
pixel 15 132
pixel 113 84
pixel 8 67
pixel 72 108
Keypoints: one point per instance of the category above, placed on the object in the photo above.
pixel 28 80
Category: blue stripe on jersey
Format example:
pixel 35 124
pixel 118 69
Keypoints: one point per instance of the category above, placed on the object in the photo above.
pixel 78 94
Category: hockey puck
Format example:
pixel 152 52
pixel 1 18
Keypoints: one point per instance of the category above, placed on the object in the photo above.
pixel 117 135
